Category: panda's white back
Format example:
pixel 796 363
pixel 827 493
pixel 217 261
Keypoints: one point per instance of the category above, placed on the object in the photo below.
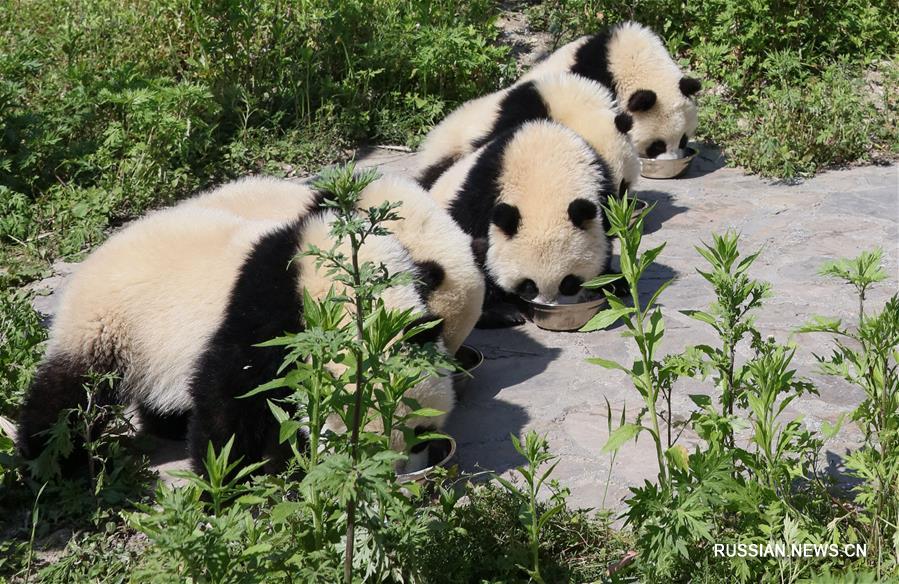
pixel 147 301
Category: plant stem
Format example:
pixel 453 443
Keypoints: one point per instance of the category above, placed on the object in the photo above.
pixel 314 435
pixel 88 439
pixel 357 412
pixel 651 391
pixel 535 534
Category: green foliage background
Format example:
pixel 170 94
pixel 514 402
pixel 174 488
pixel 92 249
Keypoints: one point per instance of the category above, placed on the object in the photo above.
pixel 110 107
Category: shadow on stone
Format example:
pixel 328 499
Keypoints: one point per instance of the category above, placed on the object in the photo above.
pixel 710 159
pixel 481 423
pixel 162 451
pixel 664 209
pixel 653 278
pixel 836 470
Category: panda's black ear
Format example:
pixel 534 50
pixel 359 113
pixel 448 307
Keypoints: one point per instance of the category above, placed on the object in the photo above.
pixel 430 335
pixel 689 86
pixel 641 100
pixel 580 211
pixel 507 218
pixel 430 275
pixel 624 122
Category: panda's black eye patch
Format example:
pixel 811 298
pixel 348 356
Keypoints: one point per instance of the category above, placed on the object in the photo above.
pixel 570 285
pixel 430 276
pixel 527 289
pixel 689 86
pixel 507 218
pixel 656 148
pixel 683 142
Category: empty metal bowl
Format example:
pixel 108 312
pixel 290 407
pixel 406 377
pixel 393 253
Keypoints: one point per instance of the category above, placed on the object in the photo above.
pixel 563 317
pixel 655 168
pixel 470 359
pixel 440 452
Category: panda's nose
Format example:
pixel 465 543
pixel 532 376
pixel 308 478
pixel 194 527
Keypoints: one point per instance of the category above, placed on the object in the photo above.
pixel 656 148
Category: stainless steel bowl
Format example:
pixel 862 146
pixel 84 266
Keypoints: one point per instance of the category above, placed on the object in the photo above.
pixel 655 168
pixel 638 208
pixel 444 449
pixel 470 359
pixel 563 317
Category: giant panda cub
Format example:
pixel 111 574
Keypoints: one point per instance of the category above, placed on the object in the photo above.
pixel 632 61
pixel 531 199
pixel 441 250
pixel 582 104
pixel 174 304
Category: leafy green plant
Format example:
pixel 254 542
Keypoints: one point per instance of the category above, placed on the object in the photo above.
pixel 643 322
pixel 21 338
pixel 866 356
pixel 487 520
pixel 536 451
pixel 861 272
pixel 763 486
pixel 738 295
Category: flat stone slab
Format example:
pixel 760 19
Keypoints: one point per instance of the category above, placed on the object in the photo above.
pixel 535 379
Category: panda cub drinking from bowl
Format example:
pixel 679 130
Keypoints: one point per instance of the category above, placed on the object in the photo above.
pixel 633 63
pixel 532 201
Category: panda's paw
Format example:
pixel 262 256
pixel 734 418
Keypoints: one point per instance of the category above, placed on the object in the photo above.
pixel 500 316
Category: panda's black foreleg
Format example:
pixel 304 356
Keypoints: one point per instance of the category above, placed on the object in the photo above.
pixel 220 413
pixel 500 309
pixel 59 384
pixel 253 429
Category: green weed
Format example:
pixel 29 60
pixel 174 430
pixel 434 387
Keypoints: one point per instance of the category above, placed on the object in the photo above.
pixel 755 474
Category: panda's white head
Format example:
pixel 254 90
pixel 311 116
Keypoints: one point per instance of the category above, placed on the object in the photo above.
pixel 546 234
pixel 652 88
pixel 662 127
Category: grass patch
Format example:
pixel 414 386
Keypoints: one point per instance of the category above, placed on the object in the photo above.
pixel 789 88
pixel 21 346
pixel 109 108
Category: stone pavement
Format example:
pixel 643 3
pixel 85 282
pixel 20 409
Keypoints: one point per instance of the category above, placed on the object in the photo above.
pixel 534 379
